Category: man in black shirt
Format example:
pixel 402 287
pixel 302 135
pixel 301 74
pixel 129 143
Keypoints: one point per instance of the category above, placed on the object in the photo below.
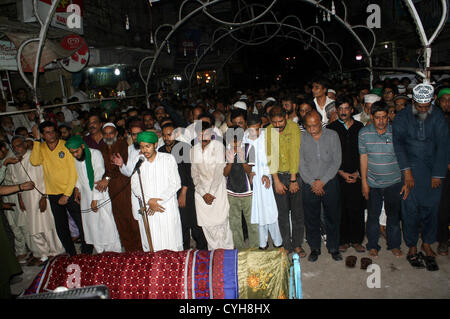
pixel 352 201
pixel 186 200
pixel 238 171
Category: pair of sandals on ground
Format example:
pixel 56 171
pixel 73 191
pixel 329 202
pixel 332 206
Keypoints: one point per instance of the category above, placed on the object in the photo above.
pixel 416 260
pixel 419 260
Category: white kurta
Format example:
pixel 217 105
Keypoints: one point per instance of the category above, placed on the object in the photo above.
pixel 160 179
pixel 133 157
pixel 99 227
pixel 264 206
pixel 37 222
pixel 15 216
pixel 41 225
pixel 207 174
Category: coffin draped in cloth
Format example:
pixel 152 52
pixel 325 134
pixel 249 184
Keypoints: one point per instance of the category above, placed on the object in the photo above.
pixel 190 274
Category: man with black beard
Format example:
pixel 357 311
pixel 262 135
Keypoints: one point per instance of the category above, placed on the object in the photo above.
pixel 135 127
pixel 290 105
pixel 119 188
pixel 186 195
pixel 98 221
pixel 420 135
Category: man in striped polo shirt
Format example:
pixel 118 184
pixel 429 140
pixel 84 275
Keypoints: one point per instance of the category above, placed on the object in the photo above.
pixel 381 180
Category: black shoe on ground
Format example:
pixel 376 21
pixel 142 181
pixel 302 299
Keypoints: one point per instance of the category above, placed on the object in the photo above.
pixel 336 255
pixel 314 255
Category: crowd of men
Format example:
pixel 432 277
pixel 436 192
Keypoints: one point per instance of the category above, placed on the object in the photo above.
pixel 226 171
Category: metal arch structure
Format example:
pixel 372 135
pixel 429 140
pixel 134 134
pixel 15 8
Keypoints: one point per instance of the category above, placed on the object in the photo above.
pixel 267 38
pixel 426 42
pixel 41 39
pixel 203 6
pixel 343 21
pixel 367 50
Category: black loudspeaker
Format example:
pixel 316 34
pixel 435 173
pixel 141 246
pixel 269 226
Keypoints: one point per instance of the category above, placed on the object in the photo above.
pixel 91 292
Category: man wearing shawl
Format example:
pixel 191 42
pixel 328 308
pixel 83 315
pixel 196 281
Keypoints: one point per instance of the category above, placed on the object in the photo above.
pixel 420 135
pixel 98 221
pixel 119 188
pixel 264 206
pixel 160 183
pixel 43 240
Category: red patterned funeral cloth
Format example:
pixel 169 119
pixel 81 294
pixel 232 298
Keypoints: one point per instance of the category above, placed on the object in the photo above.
pixel 136 275
pixel 190 274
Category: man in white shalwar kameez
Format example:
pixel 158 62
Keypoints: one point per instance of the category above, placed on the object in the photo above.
pixel 42 238
pixel 211 198
pixel 15 216
pixel 264 206
pixel 160 183
pixel 96 211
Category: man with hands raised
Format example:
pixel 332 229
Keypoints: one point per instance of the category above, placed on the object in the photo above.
pixel 160 183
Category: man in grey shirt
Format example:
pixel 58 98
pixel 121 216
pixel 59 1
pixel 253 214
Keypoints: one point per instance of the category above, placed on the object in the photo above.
pixel 320 159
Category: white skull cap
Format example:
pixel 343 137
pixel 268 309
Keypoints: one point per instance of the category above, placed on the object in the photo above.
pixel 371 98
pixel 423 93
pixel 109 124
pixel 240 105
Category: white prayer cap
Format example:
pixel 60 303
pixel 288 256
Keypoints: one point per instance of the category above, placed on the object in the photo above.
pixel 258 101
pixel 371 98
pixel 159 107
pixel 332 91
pixel 238 92
pixel 109 124
pixel 401 88
pixel 243 97
pixel 240 105
pixel 269 99
pixel 423 93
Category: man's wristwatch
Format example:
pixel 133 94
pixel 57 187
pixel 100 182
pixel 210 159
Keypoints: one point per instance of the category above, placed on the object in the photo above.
pixel 294 181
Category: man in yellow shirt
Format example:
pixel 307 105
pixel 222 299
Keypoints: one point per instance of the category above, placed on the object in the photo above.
pixel 60 178
pixel 283 145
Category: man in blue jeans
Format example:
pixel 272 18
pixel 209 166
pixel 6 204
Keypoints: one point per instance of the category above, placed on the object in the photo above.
pixel 381 180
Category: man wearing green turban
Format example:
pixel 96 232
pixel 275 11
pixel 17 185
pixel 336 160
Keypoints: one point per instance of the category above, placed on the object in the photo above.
pixel 378 91
pixel 160 183
pixel 98 221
